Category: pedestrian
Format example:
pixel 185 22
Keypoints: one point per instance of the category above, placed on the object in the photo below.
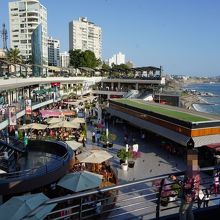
pixel 206 198
pixel 93 137
pixel 98 136
pixel 200 197
pixel 216 183
pixel 84 142
pixel 189 186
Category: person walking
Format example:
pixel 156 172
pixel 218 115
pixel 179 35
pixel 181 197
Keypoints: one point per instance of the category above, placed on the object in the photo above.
pixel 93 137
pixel 206 198
pixel 200 197
pixel 216 183
pixel 189 185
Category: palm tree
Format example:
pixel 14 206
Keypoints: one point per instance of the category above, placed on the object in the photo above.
pixel 14 56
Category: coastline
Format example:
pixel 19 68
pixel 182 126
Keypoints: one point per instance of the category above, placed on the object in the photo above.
pixel 188 101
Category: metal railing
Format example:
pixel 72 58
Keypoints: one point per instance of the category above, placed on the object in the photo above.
pixel 132 200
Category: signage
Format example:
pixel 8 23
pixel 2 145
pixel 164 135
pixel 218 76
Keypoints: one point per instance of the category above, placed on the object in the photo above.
pixel 55 84
pixel 12 115
pixel 28 108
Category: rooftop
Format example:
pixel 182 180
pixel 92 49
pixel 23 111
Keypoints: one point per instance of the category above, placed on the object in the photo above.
pixel 165 110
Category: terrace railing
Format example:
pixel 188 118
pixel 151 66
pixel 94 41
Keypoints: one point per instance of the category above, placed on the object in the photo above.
pixel 133 200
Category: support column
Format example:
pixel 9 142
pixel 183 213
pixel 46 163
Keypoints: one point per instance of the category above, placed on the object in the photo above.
pixel 136 86
pixel 119 86
pixel 8 98
pixel 112 86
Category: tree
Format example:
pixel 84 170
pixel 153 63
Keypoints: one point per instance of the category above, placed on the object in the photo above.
pixel 14 56
pixel 105 66
pixel 75 58
pixel 86 58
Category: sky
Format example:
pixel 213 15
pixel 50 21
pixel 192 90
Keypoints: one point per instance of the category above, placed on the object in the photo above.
pixel 182 36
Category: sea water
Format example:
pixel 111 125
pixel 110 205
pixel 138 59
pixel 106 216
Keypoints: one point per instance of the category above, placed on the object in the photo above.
pixel 212 102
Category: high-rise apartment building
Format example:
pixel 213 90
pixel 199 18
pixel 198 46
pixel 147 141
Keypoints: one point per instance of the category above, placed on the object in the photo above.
pixel 117 59
pixel 64 59
pixel 85 35
pixel 53 52
pixel 24 17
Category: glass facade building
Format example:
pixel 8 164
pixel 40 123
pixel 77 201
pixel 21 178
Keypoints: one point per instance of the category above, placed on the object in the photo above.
pixel 36 44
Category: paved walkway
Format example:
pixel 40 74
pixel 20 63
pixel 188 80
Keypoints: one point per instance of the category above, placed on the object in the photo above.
pixel 154 161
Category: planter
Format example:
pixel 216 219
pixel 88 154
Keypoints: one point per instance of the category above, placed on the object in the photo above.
pixel 124 166
pixel 122 161
pixel 110 145
pixel 164 201
pixel 172 198
pixel 104 145
pixel 131 164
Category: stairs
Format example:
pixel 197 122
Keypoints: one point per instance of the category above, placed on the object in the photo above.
pixel 9 150
pixel 131 94
pixel 4 163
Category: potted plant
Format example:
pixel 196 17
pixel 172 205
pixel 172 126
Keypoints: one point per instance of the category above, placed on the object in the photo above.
pixel 175 191
pixel 124 155
pixel 107 141
pixel 134 156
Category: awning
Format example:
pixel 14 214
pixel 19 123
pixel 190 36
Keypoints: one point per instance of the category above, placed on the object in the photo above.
pixel 74 145
pixel 206 140
pixel 50 113
pixel 68 112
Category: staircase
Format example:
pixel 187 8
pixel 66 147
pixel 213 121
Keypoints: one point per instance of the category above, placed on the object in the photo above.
pixel 4 163
pixel 131 94
pixel 14 146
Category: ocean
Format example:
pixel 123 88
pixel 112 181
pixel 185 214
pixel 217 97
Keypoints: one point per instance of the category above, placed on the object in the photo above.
pixel 213 103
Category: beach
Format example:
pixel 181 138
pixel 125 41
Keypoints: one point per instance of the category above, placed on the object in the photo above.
pixel 187 101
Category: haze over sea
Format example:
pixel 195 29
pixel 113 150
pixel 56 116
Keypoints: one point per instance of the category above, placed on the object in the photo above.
pixel 214 88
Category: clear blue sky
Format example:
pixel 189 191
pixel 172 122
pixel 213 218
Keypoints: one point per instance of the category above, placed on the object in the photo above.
pixel 183 36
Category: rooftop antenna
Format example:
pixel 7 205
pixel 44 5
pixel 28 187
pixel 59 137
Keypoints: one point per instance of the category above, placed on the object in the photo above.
pixel 4 35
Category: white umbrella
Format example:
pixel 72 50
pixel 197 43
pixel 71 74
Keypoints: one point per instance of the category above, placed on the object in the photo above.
pixel 79 120
pixel 2 171
pixel 80 181
pixel 53 120
pixel 33 126
pixel 74 145
pixel 64 124
pixel 94 156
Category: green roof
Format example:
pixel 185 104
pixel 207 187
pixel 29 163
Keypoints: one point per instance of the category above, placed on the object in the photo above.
pixel 163 110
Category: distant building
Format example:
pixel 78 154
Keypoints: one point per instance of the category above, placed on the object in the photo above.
pixel 53 52
pixel 24 18
pixel 85 35
pixel 117 59
pixel 64 59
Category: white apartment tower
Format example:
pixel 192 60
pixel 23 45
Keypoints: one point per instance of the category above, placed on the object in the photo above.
pixel 85 35
pixel 53 52
pixel 64 59
pixel 117 59
pixel 24 18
